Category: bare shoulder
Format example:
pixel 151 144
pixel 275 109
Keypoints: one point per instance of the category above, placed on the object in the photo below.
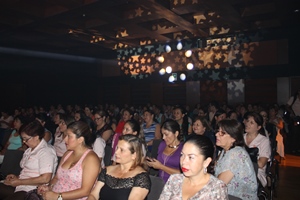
pixel 91 157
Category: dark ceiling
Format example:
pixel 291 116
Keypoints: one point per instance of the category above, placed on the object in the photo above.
pixel 92 28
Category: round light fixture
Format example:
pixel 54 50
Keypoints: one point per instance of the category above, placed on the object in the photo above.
pixel 182 77
pixel 190 66
pixel 160 59
pixel 168 48
pixel 169 69
pixel 188 53
pixel 162 71
pixel 171 79
pixel 179 46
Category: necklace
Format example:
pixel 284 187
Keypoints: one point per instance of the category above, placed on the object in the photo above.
pixel 173 147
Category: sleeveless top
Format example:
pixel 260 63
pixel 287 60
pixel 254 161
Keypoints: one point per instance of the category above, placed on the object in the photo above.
pixel 15 142
pixel 149 132
pixel 70 179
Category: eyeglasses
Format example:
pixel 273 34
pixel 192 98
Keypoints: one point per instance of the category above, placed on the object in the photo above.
pixel 26 139
pixel 221 133
pixel 62 123
pixel 97 118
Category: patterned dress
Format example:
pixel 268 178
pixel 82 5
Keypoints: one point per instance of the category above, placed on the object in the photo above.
pixel 70 179
pixel 215 189
pixel 244 182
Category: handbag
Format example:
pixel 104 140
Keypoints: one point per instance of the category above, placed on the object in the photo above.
pixel 33 195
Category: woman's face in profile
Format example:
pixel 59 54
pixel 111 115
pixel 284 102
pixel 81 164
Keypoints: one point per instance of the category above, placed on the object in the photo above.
pixel 127 130
pixel 123 154
pixel 169 137
pixel 191 161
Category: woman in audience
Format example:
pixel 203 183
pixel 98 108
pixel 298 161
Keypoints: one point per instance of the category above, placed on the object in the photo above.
pixel 126 115
pixel 277 120
pixel 195 182
pixel 180 116
pixel 234 166
pixel 219 115
pixel 128 180
pixel 59 143
pixel 14 142
pixel 88 109
pixel 132 127
pixel 103 129
pixel 38 164
pixel 78 169
pixel 255 137
pixel 42 118
pixel 201 127
pixel 169 150
pixel 151 128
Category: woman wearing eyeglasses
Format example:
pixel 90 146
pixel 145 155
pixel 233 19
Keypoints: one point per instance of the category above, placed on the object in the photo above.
pixel 234 166
pixel 38 164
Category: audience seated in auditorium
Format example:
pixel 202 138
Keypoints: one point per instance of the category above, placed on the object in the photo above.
pixel 195 182
pixel 169 151
pixel 38 164
pixel 233 165
pixel 128 179
pixel 255 137
pixel 78 168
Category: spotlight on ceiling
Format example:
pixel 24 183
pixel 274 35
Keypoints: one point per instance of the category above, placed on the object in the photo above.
pixel 188 53
pixel 182 76
pixel 190 66
pixel 168 48
pixel 160 59
pixel 162 71
pixel 171 79
pixel 169 69
pixel 179 46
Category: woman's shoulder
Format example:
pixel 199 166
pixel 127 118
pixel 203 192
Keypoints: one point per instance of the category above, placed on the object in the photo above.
pixel 216 181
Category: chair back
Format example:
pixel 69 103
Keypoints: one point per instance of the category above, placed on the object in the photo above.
pixel 11 163
pixel 157 185
pixel 5 135
pixel 107 156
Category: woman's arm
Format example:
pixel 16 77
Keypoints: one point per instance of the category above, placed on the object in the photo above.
pixel 107 134
pixel 94 195
pixel 226 176
pixel 262 161
pixel 157 134
pixel 15 181
pixel 138 193
pixel 90 167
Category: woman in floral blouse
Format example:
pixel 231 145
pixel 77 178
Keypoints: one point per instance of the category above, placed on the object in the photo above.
pixel 195 183
pixel 234 166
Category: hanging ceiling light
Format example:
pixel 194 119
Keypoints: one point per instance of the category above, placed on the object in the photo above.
pixel 171 78
pixel 162 71
pixel 182 76
pixel 188 53
pixel 169 69
pixel 168 48
pixel 190 66
pixel 160 59
pixel 179 46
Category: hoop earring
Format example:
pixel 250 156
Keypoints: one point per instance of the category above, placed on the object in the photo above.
pixel 205 170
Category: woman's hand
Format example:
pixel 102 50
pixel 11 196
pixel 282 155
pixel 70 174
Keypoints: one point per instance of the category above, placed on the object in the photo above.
pixel 152 162
pixel 43 188
pixel 12 180
pixel 49 195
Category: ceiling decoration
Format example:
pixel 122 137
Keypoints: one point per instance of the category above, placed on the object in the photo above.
pixel 223 35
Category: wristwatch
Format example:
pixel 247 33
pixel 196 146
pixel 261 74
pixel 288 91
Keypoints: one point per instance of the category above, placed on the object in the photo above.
pixel 59 197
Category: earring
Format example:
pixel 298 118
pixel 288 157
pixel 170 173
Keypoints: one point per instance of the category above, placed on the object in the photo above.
pixel 205 170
